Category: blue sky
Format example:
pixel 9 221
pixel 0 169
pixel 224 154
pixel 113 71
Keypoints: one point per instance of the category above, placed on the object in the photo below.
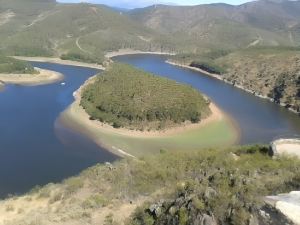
pixel 143 3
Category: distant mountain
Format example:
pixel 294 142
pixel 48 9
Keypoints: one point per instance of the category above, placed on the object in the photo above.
pixel 118 9
pixel 85 31
pixel 254 23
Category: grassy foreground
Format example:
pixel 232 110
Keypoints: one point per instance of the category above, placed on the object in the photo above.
pixel 226 184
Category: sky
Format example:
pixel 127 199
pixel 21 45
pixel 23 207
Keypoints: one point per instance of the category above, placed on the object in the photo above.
pixel 143 3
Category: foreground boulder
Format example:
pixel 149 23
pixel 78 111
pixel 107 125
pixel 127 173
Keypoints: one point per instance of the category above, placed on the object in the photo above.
pixel 287 204
pixel 285 146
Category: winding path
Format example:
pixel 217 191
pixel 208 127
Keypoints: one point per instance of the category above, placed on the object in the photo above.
pixel 81 49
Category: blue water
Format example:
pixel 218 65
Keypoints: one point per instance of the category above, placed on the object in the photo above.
pixel 34 149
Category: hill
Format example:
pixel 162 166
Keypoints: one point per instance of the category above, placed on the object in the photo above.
pixel 81 32
pixel 84 32
pixel 269 72
pixel 127 97
pixel 216 26
pixel 170 188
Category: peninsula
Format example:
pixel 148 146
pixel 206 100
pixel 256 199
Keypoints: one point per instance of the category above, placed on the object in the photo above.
pixel 13 71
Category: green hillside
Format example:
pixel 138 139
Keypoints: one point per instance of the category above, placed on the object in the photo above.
pixel 82 32
pixel 85 32
pixel 127 97
pixel 226 26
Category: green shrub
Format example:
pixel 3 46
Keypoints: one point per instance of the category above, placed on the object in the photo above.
pixel 73 185
pixel 94 201
pixel 81 58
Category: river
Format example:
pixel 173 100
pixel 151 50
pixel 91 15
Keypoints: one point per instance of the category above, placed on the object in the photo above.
pixel 259 120
pixel 36 149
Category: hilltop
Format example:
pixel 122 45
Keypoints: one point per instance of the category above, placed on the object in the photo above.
pixel 124 96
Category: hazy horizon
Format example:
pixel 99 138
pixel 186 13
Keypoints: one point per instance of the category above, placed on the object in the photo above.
pixel 130 4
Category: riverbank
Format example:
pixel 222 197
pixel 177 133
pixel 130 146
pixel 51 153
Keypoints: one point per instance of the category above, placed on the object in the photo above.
pixel 120 52
pixel 219 77
pixel 195 69
pixel 42 77
pixel 60 61
pixel 1 86
pixel 217 129
pixel 76 109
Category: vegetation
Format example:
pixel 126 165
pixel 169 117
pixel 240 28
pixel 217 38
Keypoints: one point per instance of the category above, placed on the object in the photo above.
pixel 10 65
pixel 204 61
pixel 74 31
pixel 227 185
pixel 267 71
pixel 86 31
pixel 220 133
pixel 271 72
pixel 225 189
pixel 127 97
pixel 81 58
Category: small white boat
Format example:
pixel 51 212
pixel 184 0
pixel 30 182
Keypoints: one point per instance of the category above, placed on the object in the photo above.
pixel 63 84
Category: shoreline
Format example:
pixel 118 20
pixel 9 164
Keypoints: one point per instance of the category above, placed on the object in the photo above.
pixel 218 77
pixel 76 118
pixel 2 86
pixel 216 115
pixel 43 77
pixel 60 61
pixel 121 52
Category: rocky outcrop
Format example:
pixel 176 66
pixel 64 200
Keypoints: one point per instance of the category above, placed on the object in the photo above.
pixel 285 146
pixel 180 211
pixel 188 210
pixel 273 74
pixel 287 204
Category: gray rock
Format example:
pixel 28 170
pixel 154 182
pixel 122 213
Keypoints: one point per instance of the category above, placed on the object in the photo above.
pixel 208 220
pixel 210 193
pixel 253 220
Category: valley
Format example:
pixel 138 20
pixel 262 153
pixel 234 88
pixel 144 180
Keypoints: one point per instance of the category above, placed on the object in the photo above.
pixel 151 116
